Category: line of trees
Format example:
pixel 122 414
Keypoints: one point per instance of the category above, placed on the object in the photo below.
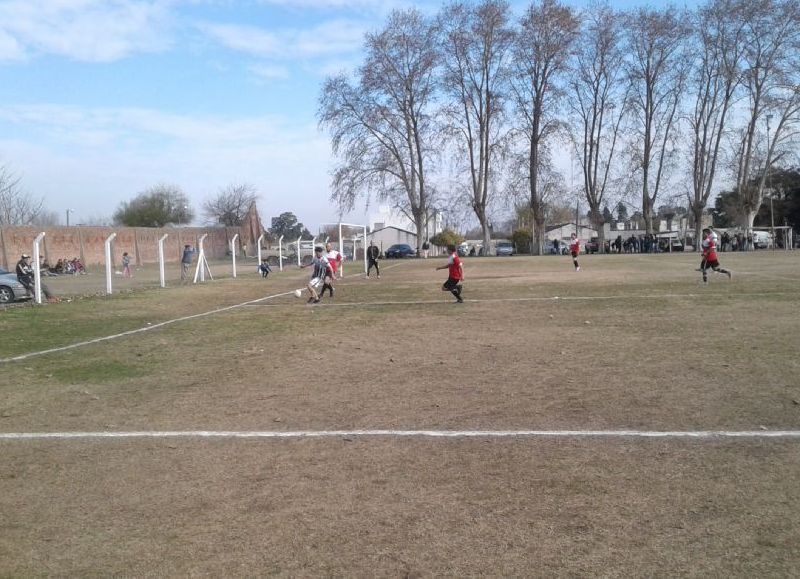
pixel 471 106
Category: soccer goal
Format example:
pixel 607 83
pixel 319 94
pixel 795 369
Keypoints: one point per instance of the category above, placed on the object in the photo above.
pixel 349 238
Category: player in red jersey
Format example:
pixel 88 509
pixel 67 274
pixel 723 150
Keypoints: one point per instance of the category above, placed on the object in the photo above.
pixel 455 274
pixel 710 261
pixel 334 258
pixel 575 249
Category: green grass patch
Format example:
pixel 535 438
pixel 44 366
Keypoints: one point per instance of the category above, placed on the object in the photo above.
pixel 98 371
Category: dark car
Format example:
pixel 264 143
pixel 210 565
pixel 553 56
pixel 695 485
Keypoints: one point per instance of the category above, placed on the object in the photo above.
pixel 399 250
pixel 593 245
pixel 664 245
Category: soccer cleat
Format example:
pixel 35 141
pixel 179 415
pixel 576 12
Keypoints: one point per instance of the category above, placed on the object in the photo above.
pixel 730 275
pixel 578 268
pixel 316 301
pixel 310 301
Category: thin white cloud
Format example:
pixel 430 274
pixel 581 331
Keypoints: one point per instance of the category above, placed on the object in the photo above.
pixel 267 72
pixel 330 38
pixel 10 49
pixel 85 30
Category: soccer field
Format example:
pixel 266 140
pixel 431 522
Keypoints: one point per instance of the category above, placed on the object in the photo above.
pixel 623 420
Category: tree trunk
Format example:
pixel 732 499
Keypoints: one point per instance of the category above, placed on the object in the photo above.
pixel 487 237
pixel 647 210
pixel 419 223
pixel 697 212
pixel 538 240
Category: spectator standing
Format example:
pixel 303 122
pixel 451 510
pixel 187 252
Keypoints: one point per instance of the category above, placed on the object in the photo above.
pixel 373 253
pixel 186 261
pixel 126 265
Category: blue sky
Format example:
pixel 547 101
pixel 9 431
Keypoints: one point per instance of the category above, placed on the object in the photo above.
pixel 100 99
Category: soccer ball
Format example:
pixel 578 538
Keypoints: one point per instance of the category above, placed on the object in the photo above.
pixel 298 293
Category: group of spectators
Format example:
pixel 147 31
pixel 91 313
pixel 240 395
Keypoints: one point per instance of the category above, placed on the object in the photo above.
pixel 63 266
pixel 736 242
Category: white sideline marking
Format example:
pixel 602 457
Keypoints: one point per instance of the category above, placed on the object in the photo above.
pixel 538 299
pixel 699 434
pixel 140 330
pixel 151 327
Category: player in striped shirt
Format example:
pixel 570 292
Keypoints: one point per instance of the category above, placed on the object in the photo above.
pixel 322 270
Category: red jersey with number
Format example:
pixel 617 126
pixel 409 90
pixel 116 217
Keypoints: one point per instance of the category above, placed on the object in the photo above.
pixel 454 267
pixel 709 249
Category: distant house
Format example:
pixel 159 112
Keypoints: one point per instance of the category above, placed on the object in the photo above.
pixel 385 237
pixel 564 231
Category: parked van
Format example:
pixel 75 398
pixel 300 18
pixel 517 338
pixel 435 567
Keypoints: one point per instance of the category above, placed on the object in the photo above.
pixel 762 239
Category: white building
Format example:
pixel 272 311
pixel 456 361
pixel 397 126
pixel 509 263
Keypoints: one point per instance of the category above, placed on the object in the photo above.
pixel 388 217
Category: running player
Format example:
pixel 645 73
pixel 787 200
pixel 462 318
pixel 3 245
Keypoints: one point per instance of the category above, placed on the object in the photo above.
pixel 455 274
pixel 575 249
pixel 709 261
pixel 334 258
pixel 322 268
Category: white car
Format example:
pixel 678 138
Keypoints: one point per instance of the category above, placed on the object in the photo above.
pixel 10 288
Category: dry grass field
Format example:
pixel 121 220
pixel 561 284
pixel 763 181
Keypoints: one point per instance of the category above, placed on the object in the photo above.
pixel 629 343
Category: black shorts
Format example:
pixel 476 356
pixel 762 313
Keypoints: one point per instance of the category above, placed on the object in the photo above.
pixel 574 254
pixel 705 264
pixel 451 283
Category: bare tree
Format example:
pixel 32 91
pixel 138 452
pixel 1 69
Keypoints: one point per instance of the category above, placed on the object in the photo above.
pixel 476 41
pixel 771 82
pixel 16 206
pixel 541 53
pixel 716 74
pixel 598 106
pixel 656 68
pixel 383 129
pixel 231 204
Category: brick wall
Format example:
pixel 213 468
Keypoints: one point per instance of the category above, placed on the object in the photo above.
pixel 141 243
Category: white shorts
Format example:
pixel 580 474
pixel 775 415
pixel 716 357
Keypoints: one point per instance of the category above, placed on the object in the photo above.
pixel 315 281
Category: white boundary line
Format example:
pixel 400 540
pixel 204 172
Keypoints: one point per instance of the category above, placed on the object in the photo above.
pixel 692 434
pixel 151 327
pixel 542 299
pixel 140 330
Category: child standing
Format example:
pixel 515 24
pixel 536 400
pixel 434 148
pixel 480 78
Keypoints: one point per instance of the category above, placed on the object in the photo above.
pixel 575 249
pixel 126 265
pixel 264 268
pixel 455 274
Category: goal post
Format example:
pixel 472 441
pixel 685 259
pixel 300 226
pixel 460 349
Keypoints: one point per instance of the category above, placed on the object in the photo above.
pixel 347 232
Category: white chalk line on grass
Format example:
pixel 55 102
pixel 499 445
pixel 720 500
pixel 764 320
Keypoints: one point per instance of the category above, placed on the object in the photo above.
pixel 537 299
pixel 227 434
pixel 148 328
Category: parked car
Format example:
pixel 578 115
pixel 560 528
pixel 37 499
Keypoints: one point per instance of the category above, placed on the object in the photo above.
pixel 504 248
pixel 762 239
pixel 399 250
pixel 664 244
pixel 10 289
pixel 593 245
pixel 463 249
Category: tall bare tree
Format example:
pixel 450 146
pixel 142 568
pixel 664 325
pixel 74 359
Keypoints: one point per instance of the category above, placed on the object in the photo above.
pixel 16 206
pixel 598 103
pixel 771 82
pixel 382 129
pixel 656 67
pixel 542 47
pixel 716 73
pixel 476 40
pixel 231 204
